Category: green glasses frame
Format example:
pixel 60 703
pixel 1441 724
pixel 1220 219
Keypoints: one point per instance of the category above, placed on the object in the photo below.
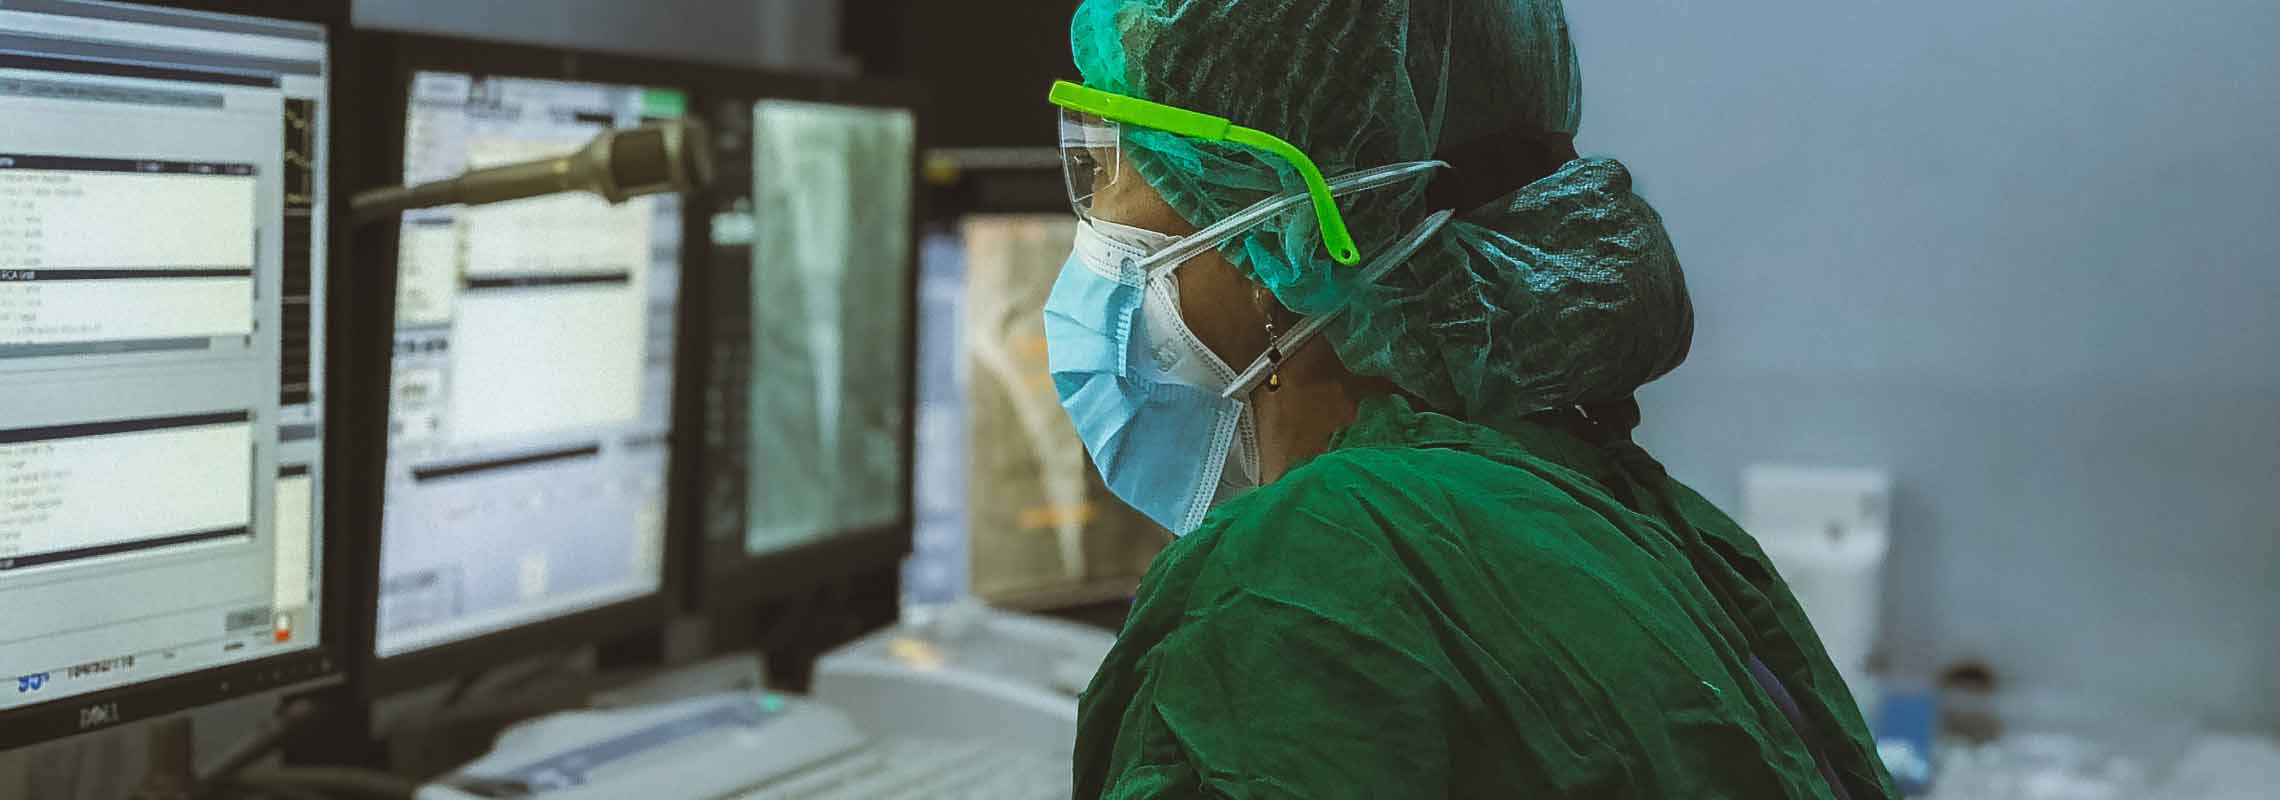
pixel 1197 125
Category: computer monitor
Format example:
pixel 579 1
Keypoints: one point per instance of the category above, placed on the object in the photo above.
pixel 809 282
pixel 524 498
pixel 165 217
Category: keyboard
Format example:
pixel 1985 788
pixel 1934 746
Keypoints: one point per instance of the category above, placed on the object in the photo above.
pixel 928 770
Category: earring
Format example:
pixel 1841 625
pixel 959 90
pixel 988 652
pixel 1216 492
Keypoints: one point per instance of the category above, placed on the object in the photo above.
pixel 1275 357
pixel 1266 303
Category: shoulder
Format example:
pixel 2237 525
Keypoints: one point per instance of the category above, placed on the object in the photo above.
pixel 1372 493
pixel 1737 545
pixel 1352 495
pixel 1380 516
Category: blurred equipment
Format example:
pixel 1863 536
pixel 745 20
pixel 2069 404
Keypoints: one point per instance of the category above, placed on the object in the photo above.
pixel 524 486
pixel 165 231
pixel 1980 739
pixel 1044 531
pixel 937 573
pixel 1907 725
pixel 968 673
pixel 2227 767
pixel 1828 530
pixel 969 703
pixel 743 746
pixel 653 158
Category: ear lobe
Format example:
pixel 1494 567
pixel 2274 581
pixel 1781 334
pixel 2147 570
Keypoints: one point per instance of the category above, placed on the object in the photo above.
pixel 1271 309
pixel 1265 302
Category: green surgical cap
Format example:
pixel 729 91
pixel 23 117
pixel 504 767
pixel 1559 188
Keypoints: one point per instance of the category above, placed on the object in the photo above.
pixel 1563 291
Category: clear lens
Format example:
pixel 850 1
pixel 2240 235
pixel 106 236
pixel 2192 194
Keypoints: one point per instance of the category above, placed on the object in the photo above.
pixel 1091 157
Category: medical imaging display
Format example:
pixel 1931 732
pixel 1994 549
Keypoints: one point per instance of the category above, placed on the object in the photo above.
pixel 830 285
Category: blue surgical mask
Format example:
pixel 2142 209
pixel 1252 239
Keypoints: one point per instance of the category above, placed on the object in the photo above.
pixel 1163 417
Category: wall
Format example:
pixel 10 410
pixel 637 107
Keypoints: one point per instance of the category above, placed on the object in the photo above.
pixel 2019 252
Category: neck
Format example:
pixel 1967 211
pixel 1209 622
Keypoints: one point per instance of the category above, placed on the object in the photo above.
pixel 1318 398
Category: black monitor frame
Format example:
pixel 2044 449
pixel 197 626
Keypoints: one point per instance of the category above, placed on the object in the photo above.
pixel 392 60
pixel 722 577
pixel 94 711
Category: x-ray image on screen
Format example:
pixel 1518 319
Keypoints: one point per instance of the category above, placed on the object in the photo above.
pixel 831 273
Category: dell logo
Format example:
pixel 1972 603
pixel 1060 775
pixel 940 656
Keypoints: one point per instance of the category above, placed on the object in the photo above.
pixel 98 715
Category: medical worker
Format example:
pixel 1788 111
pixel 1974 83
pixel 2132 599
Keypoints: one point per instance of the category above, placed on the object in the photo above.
pixel 1350 317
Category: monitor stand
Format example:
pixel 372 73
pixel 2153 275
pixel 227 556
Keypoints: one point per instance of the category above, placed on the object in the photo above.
pixel 172 774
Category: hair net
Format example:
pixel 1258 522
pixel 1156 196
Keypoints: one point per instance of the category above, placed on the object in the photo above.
pixel 1563 291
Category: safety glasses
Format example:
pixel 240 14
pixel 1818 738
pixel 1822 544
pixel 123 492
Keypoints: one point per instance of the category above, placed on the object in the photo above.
pixel 1092 153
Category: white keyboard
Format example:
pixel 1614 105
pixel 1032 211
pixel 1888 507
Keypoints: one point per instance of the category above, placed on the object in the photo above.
pixel 932 770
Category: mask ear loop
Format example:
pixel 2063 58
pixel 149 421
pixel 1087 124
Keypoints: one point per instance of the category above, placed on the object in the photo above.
pixel 1277 349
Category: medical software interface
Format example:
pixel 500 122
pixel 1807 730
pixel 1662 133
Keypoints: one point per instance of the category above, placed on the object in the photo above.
pixel 532 383
pixel 829 228
pixel 162 197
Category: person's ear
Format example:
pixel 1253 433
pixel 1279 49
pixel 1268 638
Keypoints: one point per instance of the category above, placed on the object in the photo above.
pixel 1271 309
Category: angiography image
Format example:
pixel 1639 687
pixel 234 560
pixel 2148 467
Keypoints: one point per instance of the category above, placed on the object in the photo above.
pixel 831 278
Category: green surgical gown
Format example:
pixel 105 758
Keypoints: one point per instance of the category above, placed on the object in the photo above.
pixel 1434 608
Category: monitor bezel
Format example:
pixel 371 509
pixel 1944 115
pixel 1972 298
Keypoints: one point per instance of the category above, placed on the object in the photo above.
pixel 723 578
pixel 394 58
pixel 315 667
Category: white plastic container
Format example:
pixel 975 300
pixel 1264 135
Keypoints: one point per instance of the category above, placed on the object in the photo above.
pixel 1828 530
